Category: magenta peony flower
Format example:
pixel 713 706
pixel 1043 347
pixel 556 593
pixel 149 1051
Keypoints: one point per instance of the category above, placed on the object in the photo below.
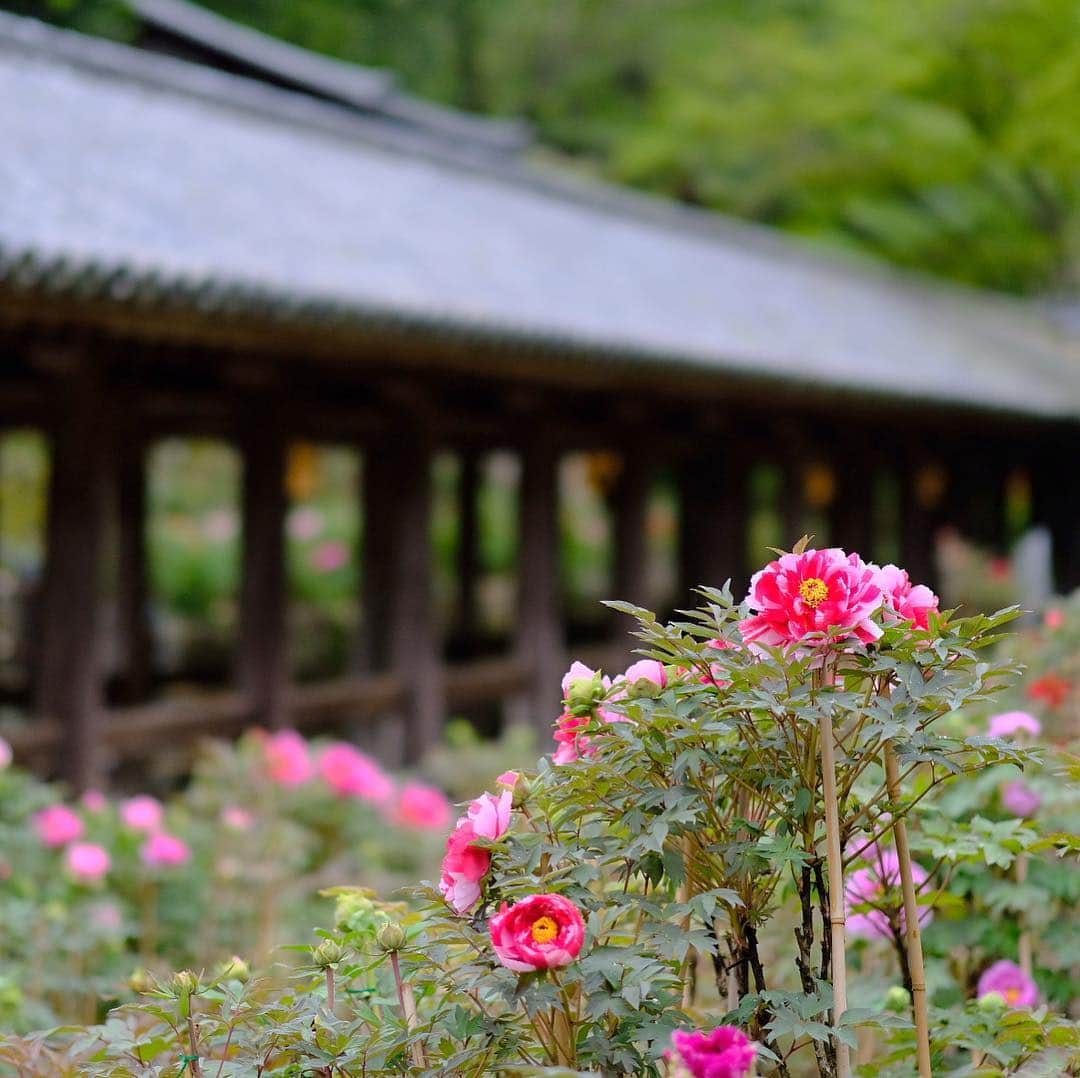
pixel 508 779
pixel 58 825
pixel 466 864
pixel 726 1052
pixel 539 932
pixel 6 755
pixel 237 818
pixel 423 808
pixel 142 813
pixel 1009 723
pixel 909 602
pixel 799 595
pixel 870 884
pixel 571 741
pixel 288 759
pixel 1010 982
pixel 87 862
pixel 352 773
pixel 1020 799
pixel 162 850
pixel 94 801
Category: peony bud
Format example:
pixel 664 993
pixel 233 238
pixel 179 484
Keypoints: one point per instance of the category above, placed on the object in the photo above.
pixel 521 791
pixel 583 694
pixel 141 981
pixel 992 1003
pixel 234 969
pixel 897 999
pixel 391 936
pixel 328 953
pixel 185 983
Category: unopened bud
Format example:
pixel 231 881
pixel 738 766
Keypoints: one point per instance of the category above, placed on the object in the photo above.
pixel 234 969
pixel 897 999
pixel 328 953
pixel 391 936
pixel 185 983
pixel 992 1003
pixel 141 981
pixel 521 791
pixel 583 694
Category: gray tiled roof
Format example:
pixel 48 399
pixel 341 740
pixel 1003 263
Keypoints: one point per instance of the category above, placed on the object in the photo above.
pixel 132 175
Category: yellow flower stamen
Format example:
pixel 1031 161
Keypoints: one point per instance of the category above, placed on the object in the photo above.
pixel 544 930
pixel 814 591
pixel 1012 996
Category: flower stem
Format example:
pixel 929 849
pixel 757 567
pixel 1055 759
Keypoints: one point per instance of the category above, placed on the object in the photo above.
pixel 408 1008
pixel 911 918
pixel 330 988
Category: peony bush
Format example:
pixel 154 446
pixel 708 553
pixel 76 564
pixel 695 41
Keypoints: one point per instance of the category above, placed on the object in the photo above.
pixel 788 840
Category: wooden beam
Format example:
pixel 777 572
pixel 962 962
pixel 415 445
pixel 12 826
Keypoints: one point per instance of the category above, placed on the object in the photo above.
pixel 68 690
pixel 539 636
pixel 261 660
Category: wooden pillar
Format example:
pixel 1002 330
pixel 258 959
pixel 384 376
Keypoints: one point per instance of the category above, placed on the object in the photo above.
pixel 1054 506
pixel 630 504
pixel 68 686
pixel 977 495
pixel 412 639
pixel 468 551
pixel 377 498
pixel 132 593
pixel 539 637
pixel 919 523
pixel 261 661
pixel 852 511
pixel 713 515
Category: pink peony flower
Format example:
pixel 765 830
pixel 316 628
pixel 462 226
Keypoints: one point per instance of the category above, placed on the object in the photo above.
pixel 94 801
pixel 646 670
pixel 508 779
pixel 580 672
pixel 910 602
pixel 423 808
pixel 288 759
pixel 106 915
pixel 305 523
pixel 1054 618
pixel 236 818
pixel 142 813
pixel 465 863
pixel 58 825
pixel 571 741
pixel 162 850
pixel 715 676
pixel 5 755
pixel 352 773
pixel 330 556
pixel 799 595
pixel 539 932
pixel 1010 982
pixel 1020 799
pixel 726 1052
pixel 1009 723
pixel 870 885
pixel 87 862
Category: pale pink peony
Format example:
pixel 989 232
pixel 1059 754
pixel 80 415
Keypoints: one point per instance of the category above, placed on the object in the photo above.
pixel 162 850
pixel 288 758
pixel 1009 723
pixel 142 813
pixel 466 864
pixel 539 932
pixel 94 801
pixel 1009 981
pixel 800 595
pixel 305 523
pixel 58 825
pixel 423 808
pixel 870 884
pixel 352 773
pixel 646 670
pixel 87 862
pixel 237 818
pixel 330 556
pixel 6 755
pixel 1020 799
pixel 725 1052
pixel 909 602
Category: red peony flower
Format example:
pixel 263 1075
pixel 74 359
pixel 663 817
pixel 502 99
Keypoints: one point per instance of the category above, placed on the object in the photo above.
pixel 800 595
pixel 539 932
pixel 1051 689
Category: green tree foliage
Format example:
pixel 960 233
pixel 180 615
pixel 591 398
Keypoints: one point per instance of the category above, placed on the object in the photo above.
pixel 940 134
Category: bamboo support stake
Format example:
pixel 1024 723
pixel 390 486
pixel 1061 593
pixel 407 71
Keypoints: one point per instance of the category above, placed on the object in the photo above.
pixel 911 919
pixel 835 863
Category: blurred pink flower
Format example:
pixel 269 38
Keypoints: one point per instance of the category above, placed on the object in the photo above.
pixel 1009 723
pixel 330 556
pixel 94 801
pixel 539 932
pixel 106 915
pixel 221 525
pixel 799 595
pixel 1000 568
pixel 1010 982
pixel 1054 618
pixel 870 884
pixel 1020 799
pixel 288 759
pixel 910 602
pixel 142 813
pixel 465 863
pixel 58 825
pixel 87 862
pixel 5 755
pixel 162 850
pixel 352 773
pixel 423 808
pixel 305 523
pixel 725 1052
pixel 236 818
pixel 646 670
